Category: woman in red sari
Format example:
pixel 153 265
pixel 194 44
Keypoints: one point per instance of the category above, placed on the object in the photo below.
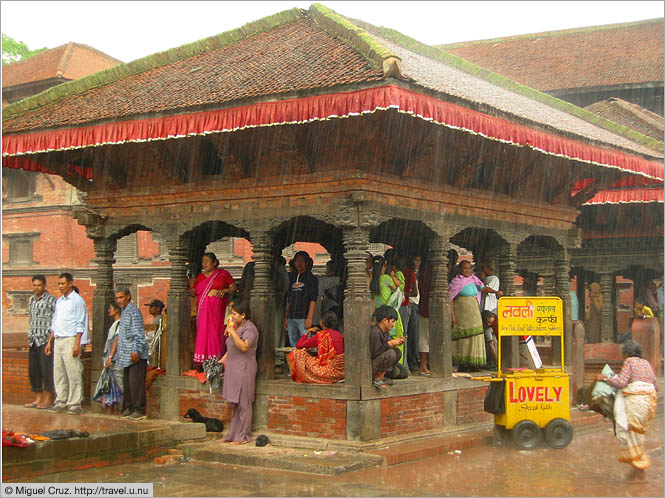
pixel 327 367
pixel 211 288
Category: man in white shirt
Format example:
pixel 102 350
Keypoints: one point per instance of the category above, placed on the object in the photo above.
pixel 69 332
pixel 491 292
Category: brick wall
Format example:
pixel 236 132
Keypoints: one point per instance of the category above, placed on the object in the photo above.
pixel 406 414
pixel 152 401
pixel 311 417
pixel 16 384
pixel 209 405
pixel 470 404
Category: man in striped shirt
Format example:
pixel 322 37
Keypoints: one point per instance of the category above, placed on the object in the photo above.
pixel 132 355
pixel 40 365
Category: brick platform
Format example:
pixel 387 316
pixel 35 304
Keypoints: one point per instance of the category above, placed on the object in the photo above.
pixel 16 384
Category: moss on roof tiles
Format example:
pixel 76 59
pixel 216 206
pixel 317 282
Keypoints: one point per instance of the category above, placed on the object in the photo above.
pixel 503 82
pixel 149 62
pixel 367 44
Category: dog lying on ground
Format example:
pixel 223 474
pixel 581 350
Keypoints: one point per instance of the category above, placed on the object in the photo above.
pixel 212 424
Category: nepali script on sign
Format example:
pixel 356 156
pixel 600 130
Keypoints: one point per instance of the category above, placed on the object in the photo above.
pixel 530 316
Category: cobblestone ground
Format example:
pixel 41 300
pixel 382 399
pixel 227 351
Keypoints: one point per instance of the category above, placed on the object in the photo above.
pixel 588 467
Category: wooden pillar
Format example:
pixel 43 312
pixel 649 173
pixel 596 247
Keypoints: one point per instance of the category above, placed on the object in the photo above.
pixel 507 263
pixel 607 314
pixel 562 278
pixel 548 284
pixel 357 309
pixel 263 303
pixel 440 330
pixel 581 294
pixel 178 329
pixel 102 296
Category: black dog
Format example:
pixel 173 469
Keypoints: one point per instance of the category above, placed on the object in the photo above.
pixel 212 424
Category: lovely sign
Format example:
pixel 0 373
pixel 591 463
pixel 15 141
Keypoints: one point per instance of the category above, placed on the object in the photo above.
pixel 530 394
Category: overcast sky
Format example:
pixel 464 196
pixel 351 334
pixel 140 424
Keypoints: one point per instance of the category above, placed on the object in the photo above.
pixel 130 30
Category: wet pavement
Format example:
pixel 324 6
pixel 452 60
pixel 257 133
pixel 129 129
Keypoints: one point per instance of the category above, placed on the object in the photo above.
pixel 587 467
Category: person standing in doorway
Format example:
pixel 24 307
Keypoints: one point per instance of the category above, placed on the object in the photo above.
pixel 69 333
pixel 132 356
pixel 424 286
pixel 409 312
pixel 301 298
pixel 491 292
pixel 40 365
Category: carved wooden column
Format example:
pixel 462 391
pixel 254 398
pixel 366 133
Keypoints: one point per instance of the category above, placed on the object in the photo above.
pixel 562 278
pixel 607 313
pixel 178 327
pixel 440 330
pixel 548 284
pixel 581 294
pixel 102 296
pixel 179 357
pixel 357 309
pixel 263 303
pixel 507 263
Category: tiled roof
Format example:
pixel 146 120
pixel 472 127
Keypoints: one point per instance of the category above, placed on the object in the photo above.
pixel 435 74
pixel 70 61
pixel 628 53
pixel 302 52
pixel 293 57
pixel 631 115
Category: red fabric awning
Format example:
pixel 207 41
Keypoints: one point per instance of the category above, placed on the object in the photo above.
pixel 323 107
pixel 635 195
pixel 27 164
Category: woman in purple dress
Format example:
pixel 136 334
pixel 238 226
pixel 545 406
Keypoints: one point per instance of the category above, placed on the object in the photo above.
pixel 240 371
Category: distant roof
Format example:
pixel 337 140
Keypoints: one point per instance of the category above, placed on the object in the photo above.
pixel 297 54
pixel 616 54
pixel 631 115
pixel 70 61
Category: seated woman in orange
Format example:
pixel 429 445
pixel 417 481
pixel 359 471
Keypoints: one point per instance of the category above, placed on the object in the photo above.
pixel 327 366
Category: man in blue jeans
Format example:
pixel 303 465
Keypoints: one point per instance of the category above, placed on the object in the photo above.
pixel 409 312
pixel 301 297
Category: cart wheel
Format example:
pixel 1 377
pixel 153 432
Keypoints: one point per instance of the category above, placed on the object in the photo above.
pixel 526 434
pixel 559 433
pixel 501 434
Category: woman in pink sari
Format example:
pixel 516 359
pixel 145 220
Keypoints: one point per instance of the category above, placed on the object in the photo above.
pixel 211 289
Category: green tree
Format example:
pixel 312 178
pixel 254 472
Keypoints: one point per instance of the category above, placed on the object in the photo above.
pixel 13 51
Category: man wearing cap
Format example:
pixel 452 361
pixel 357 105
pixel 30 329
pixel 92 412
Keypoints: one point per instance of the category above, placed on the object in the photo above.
pixel 155 308
pixel 154 336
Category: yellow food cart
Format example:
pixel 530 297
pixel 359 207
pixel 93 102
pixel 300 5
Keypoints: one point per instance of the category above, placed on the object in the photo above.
pixel 528 404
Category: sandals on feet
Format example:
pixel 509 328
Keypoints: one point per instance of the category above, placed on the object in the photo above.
pixel 380 384
pixel 30 405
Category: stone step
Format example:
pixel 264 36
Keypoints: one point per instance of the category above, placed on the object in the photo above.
pixel 111 441
pixel 327 462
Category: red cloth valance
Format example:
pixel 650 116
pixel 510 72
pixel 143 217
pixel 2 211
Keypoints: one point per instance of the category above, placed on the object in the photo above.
pixel 628 196
pixel 322 107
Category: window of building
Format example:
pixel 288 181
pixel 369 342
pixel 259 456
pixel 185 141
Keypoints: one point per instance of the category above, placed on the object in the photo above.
pixel 224 249
pixel 19 300
pixel 18 185
pixel 126 252
pixel 20 248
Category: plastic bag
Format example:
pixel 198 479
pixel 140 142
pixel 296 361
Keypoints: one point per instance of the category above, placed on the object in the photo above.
pixel 603 388
pixel 108 391
pixel 495 399
pixel 103 384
